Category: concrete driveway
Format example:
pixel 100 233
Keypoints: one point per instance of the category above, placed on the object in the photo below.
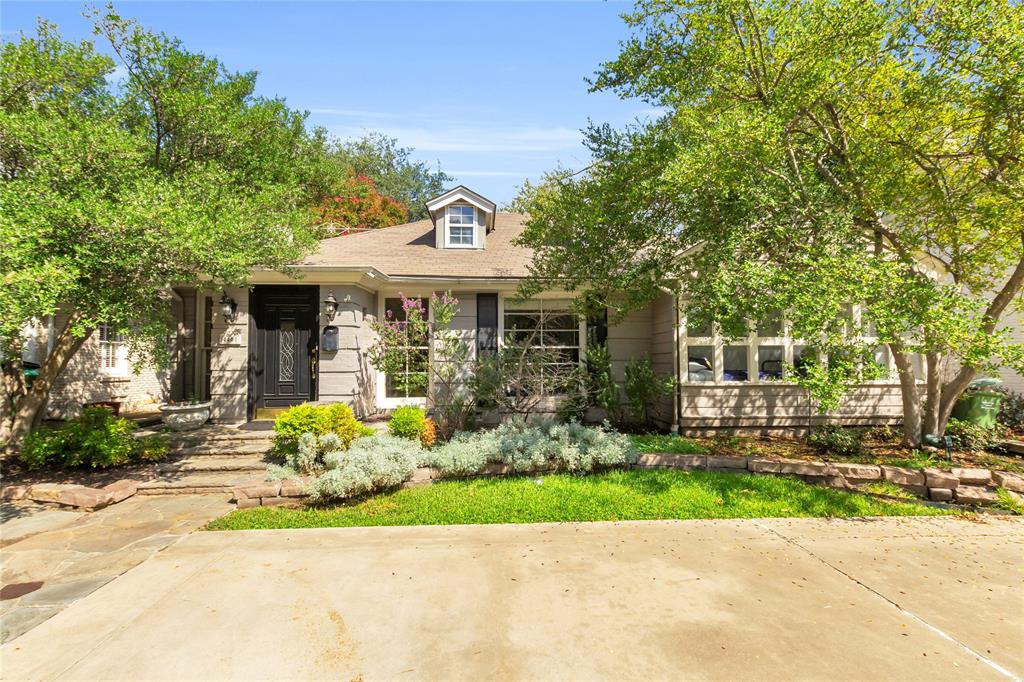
pixel 928 599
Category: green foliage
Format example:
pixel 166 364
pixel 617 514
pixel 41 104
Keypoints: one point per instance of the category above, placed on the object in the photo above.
pixel 795 165
pixel 318 420
pixel 95 439
pixel 1011 411
pixel 643 388
pixel 370 465
pixel 970 437
pixel 608 496
pixel 526 447
pixel 408 422
pixel 837 440
pixel 889 489
pixel 1006 500
pixel 179 174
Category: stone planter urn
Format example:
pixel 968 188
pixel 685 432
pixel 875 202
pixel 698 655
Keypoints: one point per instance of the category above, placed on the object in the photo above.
pixel 185 416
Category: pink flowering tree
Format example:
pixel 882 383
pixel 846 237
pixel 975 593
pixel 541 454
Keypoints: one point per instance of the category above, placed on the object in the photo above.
pixel 427 356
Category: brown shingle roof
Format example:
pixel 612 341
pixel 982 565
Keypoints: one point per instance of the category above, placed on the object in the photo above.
pixel 408 251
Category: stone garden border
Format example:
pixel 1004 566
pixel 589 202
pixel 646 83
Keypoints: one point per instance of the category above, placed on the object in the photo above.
pixel 974 487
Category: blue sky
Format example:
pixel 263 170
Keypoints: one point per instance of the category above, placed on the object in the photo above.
pixel 494 92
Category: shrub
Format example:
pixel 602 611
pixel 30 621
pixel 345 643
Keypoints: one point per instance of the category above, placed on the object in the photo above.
pixel 95 439
pixel 1011 412
pixel 643 387
pixel 968 436
pixel 836 440
pixel 407 422
pixel 336 418
pixel 531 447
pixel 428 436
pixel 370 465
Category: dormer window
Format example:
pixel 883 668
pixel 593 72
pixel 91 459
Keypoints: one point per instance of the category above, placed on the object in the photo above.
pixel 461 226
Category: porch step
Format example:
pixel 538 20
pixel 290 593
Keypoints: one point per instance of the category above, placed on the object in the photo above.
pixel 225 449
pixel 212 463
pixel 189 484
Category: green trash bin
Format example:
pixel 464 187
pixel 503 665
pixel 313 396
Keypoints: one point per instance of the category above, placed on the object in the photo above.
pixel 979 407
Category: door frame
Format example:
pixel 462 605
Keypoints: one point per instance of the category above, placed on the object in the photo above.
pixel 255 292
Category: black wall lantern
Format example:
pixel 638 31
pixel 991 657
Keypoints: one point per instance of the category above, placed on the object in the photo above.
pixel 227 306
pixel 330 306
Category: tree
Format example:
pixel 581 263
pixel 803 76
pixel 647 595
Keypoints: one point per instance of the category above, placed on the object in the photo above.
pixel 112 193
pixel 359 205
pixel 811 155
pixel 393 172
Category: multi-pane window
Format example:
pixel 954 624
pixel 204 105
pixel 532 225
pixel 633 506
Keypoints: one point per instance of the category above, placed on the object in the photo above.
pixel 552 329
pixel 461 225
pixel 113 352
pixel 768 352
pixel 411 381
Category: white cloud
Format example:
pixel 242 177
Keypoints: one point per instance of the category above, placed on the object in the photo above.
pixel 488 174
pixel 474 137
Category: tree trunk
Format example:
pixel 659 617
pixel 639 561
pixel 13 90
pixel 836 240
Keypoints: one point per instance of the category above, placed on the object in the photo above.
pixel 933 394
pixel 28 412
pixel 952 391
pixel 911 397
pixel 12 389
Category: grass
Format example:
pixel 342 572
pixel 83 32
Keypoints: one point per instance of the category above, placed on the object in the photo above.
pixel 657 442
pixel 888 488
pixel 610 496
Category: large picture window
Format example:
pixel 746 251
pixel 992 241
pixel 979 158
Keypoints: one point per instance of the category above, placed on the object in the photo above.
pixel 551 327
pixel 411 381
pixel 461 225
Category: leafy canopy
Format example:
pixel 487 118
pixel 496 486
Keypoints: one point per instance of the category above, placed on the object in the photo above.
pixel 113 191
pixel 809 155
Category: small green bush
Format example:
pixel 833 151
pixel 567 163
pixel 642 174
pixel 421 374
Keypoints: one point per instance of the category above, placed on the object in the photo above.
pixel 336 418
pixel 370 465
pixel 969 437
pixel 836 440
pixel 1011 411
pixel 407 422
pixel 95 439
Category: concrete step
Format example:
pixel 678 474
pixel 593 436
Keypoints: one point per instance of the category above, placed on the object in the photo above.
pixel 212 463
pixel 189 484
pixel 222 449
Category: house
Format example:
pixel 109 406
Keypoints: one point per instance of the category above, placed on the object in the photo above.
pixel 284 341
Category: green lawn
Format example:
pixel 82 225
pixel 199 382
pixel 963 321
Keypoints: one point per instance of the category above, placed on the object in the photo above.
pixel 610 496
pixel 677 445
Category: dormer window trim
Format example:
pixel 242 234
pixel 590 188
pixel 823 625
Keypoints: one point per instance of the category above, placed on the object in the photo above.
pixel 460 226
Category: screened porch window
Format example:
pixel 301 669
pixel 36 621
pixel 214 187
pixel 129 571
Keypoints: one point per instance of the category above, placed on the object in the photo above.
pixel 411 381
pixel 768 352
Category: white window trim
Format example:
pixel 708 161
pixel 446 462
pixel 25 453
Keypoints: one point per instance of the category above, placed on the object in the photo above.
pixel 383 400
pixel 448 244
pixel 115 350
pixel 718 344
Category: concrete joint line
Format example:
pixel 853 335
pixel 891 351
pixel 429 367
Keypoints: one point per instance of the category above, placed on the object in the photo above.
pixel 984 659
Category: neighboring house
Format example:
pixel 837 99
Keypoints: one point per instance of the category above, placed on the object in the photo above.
pixel 273 344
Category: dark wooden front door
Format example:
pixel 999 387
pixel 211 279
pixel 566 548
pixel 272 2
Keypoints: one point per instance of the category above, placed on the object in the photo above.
pixel 283 347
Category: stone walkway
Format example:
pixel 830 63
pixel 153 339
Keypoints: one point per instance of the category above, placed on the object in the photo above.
pixel 859 599
pixel 53 558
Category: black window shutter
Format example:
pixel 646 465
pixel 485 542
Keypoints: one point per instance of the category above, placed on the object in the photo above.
pixel 486 324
